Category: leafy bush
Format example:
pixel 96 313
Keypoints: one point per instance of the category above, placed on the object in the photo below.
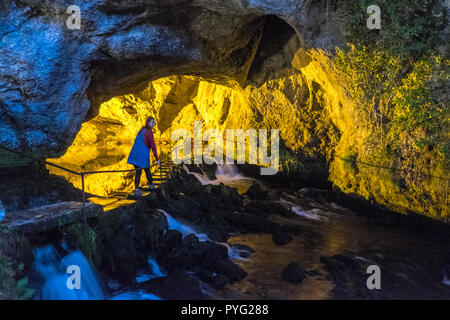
pixel 10 288
pixel 408 28
pixel 372 76
pixel 422 101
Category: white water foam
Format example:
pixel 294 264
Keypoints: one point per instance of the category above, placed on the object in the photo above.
pixel 313 214
pixel 52 269
pixel 155 271
pixel 183 227
pixel 135 295
pixel 446 281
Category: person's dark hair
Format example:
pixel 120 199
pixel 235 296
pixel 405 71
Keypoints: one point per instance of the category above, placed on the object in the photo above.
pixel 147 124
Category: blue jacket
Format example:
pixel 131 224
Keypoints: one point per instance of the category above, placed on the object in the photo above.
pixel 140 154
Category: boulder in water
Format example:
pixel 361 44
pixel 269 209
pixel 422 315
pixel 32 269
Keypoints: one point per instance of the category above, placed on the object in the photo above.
pixel 177 285
pixel 281 238
pixel 229 269
pixel 190 240
pixel 214 279
pixel 244 250
pixel 293 273
pixel 171 240
pixel 256 191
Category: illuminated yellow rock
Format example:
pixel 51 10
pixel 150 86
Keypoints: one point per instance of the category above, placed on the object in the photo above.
pixel 310 106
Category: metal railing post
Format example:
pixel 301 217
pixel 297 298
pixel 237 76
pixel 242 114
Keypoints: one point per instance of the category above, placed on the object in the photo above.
pixel 83 200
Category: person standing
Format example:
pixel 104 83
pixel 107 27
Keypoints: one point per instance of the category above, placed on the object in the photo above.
pixel 139 155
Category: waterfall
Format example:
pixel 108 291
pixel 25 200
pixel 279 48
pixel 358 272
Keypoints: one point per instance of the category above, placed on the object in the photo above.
pixel 227 170
pixel 155 267
pixel 52 270
pixel 55 273
pixel 2 211
pixel 155 271
pixel 201 178
pixel 182 227
pixel 185 230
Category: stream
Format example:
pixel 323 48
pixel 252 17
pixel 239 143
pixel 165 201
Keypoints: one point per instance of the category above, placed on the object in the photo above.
pixel 413 266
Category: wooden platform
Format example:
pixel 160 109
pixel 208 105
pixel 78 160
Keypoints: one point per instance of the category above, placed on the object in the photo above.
pixel 49 217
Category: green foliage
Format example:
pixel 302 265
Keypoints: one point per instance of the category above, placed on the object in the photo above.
pixel 404 139
pixel 10 288
pixel 408 28
pixel 372 76
pixel 422 102
pixel 419 99
pixel 396 102
pixel 349 162
pixel 85 240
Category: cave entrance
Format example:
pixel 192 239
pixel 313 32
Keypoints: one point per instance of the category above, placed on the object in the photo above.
pixel 123 96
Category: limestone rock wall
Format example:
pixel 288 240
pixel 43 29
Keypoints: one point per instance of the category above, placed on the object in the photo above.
pixel 53 78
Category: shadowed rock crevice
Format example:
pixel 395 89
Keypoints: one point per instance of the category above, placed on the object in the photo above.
pixel 276 50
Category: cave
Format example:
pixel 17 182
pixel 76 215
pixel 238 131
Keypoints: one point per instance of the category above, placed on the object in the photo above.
pixel 123 94
pixel 353 177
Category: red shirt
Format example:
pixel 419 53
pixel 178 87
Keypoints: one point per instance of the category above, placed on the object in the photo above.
pixel 150 142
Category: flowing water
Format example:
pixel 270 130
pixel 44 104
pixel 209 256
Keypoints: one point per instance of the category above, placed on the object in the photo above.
pixel 413 265
pixel 227 174
pixel 183 226
pixel 54 273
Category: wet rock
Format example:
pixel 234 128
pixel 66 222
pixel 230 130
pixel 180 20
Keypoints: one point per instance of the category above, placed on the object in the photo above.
pixel 258 208
pixel 171 240
pixel 49 217
pixel 178 285
pixel 281 238
pixel 242 248
pixel 206 257
pixel 348 277
pixel 127 236
pixel 207 253
pixel 229 269
pixel 23 193
pixel 127 45
pixel 278 208
pixel 293 273
pixel 314 193
pixel 214 279
pixel 256 191
pixel 209 170
pixel 170 252
pixel 190 240
pixel 244 254
pixel 194 168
